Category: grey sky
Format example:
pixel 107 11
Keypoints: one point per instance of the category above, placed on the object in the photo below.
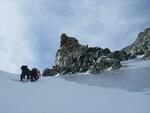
pixel 30 30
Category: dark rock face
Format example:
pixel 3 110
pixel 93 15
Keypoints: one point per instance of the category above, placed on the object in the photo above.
pixel 120 55
pixel 68 41
pixel 51 72
pixel 140 46
pixel 103 63
pixel 72 57
pixel 106 51
pixel 147 55
pixel 69 51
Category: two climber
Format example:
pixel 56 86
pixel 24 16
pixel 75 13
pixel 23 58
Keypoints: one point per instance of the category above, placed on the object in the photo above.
pixel 29 75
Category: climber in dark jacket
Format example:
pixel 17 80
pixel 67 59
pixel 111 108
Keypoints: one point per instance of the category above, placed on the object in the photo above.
pixel 35 74
pixel 25 72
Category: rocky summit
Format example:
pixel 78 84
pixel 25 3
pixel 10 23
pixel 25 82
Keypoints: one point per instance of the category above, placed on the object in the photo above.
pixel 140 46
pixel 72 57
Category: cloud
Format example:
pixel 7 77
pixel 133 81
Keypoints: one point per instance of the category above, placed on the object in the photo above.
pixel 98 22
pixel 15 47
pixel 102 23
pixel 38 24
pixel 105 23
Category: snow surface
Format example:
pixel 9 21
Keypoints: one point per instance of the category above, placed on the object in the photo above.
pixel 124 91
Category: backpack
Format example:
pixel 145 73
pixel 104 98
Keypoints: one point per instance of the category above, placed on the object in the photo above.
pixel 36 73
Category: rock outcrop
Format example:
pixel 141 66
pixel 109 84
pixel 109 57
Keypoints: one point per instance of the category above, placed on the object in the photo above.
pixel 103 63
pixel 146 55
pixel 72 57
pixel 120 55
pixel 140 46
pixel 69 51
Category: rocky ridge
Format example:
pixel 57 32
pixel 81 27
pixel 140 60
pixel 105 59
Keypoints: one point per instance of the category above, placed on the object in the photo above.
pixel 140 46
pixel 73 57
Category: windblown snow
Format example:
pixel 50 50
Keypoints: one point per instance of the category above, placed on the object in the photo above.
pixel 124 91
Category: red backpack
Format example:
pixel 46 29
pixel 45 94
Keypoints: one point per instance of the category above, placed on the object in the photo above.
pixel 38 74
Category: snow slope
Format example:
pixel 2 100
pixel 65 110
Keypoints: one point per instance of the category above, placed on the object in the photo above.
pixel 123 91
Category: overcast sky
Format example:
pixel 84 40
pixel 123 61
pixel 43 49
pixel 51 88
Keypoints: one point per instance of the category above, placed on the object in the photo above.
pixel 30 29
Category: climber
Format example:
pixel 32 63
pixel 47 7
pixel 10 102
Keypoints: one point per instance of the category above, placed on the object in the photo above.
pixel 29 75
pixel 25 73
pixel 35 74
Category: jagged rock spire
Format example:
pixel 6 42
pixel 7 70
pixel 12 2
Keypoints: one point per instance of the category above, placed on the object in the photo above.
pixel 67 41
pixel 72 57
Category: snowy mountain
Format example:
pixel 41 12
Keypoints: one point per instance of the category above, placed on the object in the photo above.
pixel 123 91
